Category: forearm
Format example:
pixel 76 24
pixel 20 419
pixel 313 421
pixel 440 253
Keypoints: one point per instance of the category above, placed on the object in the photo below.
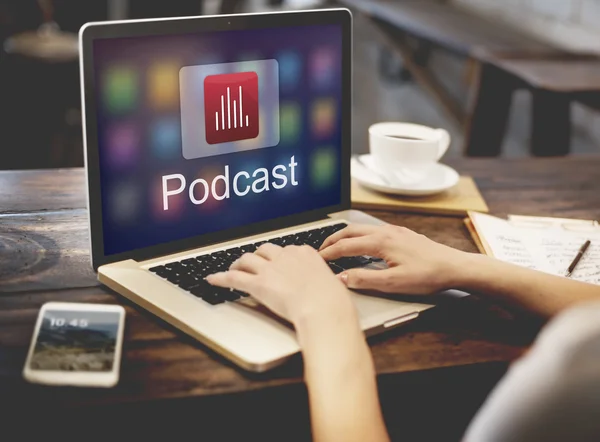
pixel 341 381
pixel 534 291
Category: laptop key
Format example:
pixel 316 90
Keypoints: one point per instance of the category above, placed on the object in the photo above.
pixel 174 266
pixel 222 266
pixel 315 244
pixel 173 277
pixel 208 293
pixel 362 260
pixel 335 268
pixel 204 272
pixel 288 240
pixel 318 243
pixel 276 241
pixel 202 259
pixel 301 238
pixel 213 299
pixel 338 227
pixel 299 241
pixel 234 254
pixel 352 262
pixel 160 271
pixel 230 295
pixel 218 293
pixel 250 248
pixel 195 267
pixel 188 282
pixel 201 288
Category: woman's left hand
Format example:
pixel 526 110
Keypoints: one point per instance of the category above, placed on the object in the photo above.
pixel 294 282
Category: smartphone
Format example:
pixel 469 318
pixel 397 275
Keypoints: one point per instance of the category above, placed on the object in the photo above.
pixel 76 344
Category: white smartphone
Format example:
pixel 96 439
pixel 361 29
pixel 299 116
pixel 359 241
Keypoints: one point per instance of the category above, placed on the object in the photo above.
pixel 76 344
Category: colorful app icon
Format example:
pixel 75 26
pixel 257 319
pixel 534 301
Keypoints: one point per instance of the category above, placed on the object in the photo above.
pixel 124 202
pixel 231 107
pixel 290 123
pixel 120 86
pixel 163 85
pixel 323 68
pixel 165 138
pixel 323 118
pixel 123 142
pixel 290 70
pixel 324 167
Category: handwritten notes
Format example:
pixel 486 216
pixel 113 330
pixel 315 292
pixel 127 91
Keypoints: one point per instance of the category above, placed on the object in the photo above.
pixel 560 254
pixel 546 247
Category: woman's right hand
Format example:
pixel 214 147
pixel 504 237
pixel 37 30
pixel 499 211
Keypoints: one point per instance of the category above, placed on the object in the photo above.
pixel 417 265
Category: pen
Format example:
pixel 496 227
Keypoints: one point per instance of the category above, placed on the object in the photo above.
pixel 580 254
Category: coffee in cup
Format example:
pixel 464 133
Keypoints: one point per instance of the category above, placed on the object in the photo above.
pixel 406 153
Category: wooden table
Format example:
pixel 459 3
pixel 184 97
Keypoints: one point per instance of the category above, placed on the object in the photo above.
pixel 438 368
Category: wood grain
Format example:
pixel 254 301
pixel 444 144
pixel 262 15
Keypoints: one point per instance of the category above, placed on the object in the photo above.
pixel 45 251
pixel 161 362
pixel 42 190
pixel 569 75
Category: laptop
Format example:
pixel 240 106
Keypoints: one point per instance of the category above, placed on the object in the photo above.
pixel 206 137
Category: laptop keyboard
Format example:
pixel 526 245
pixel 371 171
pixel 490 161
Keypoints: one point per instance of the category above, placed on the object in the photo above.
pixel 189 273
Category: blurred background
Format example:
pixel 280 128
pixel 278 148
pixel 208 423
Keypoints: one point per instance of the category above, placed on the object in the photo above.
pixel 436 75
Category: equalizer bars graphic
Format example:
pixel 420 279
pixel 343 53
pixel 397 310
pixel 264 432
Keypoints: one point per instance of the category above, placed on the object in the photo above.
pixel 231 105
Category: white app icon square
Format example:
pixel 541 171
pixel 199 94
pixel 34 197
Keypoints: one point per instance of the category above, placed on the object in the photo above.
pixel 198 140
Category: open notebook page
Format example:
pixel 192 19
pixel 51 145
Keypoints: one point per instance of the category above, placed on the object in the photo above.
pixel 560 248
pixel 548 249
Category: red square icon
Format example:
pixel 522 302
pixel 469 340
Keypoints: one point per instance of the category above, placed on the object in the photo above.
pixel 231 107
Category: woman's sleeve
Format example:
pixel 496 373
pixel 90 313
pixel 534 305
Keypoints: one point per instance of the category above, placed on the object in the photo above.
pixel 553 393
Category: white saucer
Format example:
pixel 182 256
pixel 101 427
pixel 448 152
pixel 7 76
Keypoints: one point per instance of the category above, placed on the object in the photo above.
pixel 441 178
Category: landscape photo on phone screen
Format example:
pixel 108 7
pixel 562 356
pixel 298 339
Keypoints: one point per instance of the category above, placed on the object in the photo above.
pixel 71 340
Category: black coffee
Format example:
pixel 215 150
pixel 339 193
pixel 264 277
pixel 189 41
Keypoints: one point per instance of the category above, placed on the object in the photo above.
pixel 405 137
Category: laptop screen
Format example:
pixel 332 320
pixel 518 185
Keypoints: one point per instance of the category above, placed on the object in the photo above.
pixel 204 132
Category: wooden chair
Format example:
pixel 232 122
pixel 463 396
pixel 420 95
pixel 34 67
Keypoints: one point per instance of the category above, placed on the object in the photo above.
pixel 554 82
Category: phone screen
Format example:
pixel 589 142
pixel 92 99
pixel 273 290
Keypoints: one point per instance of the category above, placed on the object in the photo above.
pixel 70 340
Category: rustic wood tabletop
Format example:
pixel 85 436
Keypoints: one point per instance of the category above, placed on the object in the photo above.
pixel 44 256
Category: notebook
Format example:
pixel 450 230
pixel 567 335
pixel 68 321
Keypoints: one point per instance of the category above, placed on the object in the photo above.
pixel 458 201
pixel 540 243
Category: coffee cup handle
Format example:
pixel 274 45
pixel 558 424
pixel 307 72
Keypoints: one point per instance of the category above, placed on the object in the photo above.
pixel 444 143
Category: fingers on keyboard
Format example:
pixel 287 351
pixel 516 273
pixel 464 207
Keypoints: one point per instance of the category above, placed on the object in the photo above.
pixel 189 273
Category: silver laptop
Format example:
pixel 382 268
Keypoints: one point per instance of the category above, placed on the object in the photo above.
pixel 206 137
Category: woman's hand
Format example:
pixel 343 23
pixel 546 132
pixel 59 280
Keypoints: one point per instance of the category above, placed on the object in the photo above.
pixel 294 282
pixel 417 265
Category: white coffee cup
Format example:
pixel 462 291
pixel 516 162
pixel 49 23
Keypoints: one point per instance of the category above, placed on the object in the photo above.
pixel 405 153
